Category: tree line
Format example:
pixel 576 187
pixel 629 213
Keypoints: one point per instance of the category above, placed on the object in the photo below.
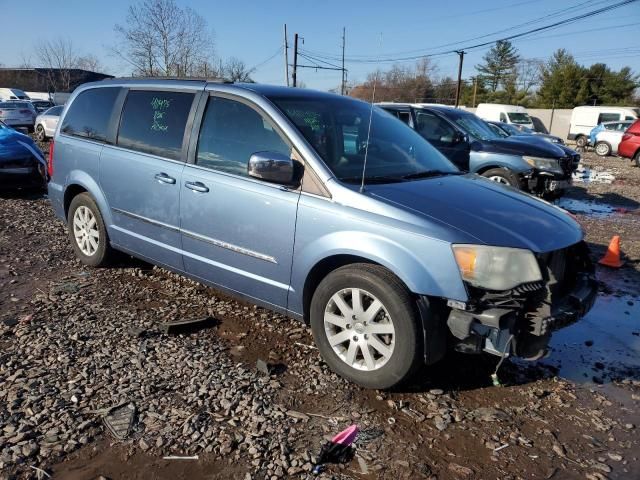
pixel 504 76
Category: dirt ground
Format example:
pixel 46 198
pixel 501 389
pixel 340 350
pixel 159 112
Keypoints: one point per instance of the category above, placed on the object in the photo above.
pixel 96 335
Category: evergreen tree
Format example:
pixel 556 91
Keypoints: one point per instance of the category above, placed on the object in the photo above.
pixel 499 67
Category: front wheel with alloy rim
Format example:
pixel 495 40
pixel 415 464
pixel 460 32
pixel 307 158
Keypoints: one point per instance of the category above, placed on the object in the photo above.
pixel 365 323
pixel 40 134
pixel 603 149
pixel 502 175
pixel 87 231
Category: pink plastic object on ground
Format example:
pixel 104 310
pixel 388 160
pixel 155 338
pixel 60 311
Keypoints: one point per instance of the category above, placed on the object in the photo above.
pixel 347 436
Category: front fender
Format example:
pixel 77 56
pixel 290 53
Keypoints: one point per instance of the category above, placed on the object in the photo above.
pixel 479 161
pixel 425 265
pixel 86 181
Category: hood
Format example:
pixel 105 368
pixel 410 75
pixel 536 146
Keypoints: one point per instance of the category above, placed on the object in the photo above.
pixel 519 145
pixel 492 213
pixel 15 146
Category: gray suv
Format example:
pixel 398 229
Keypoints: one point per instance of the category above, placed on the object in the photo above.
pixel 320 207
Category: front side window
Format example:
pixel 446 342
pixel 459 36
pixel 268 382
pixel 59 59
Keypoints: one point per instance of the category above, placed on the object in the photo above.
pixel 608 117
pixel 433 128
pixel 89 114
pixel 154 122
pixel 336 127
pixel 231 132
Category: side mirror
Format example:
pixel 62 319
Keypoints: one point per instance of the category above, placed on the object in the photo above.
pixel 271 167
pixel 459 137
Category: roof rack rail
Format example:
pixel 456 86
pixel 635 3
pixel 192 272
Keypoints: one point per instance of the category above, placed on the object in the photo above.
pixel 182 79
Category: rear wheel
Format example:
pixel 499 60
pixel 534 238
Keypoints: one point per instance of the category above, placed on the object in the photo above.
pixel 365 323
pixel 637 158
pixel 502 175
pixel 581 141
pixel 603 149
pixel 40 135
pixel 87 232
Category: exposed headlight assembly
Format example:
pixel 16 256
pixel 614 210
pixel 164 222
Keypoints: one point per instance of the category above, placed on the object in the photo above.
pixel 496 268
pixel 546 164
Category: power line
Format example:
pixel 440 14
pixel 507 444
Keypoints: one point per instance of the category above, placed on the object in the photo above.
pixel 559 23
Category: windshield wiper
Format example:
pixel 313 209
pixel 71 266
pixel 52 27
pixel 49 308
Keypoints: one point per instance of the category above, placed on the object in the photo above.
pixel 430 173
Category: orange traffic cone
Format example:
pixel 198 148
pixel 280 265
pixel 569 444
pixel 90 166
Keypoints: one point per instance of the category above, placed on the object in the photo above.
pixel 612 257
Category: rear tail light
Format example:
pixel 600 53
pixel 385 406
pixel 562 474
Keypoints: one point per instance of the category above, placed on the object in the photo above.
pixel 50 161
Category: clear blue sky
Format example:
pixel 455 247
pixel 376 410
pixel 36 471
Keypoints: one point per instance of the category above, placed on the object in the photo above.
pixel 252 30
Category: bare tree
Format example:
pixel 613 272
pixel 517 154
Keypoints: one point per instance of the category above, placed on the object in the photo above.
pixel 89 62
pixel 528 73
pixel 236 70
pixel 160 38
pixel 59 57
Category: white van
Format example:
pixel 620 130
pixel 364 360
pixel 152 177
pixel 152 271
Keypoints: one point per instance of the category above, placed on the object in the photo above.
pixel 583 119
pixel 496 112
pixel 12 94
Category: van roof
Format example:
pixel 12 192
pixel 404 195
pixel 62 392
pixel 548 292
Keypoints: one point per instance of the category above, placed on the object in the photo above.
pixel 200 83
pixel 500 105
pixel 603 107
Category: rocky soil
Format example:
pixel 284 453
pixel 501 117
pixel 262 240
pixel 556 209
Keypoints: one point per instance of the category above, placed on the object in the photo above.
pixel 244 394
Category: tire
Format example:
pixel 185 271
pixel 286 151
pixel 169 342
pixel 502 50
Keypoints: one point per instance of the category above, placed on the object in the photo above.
pixel 603 149
pixel 82 230
pixel 40 134
pixel 503 176
pixel 392 338
pixel 581 141
pixel 637 159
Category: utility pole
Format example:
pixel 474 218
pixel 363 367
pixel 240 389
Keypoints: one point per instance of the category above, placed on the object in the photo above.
pixel 342 85
pixel 286 56
pixel 553 109
pixel 461 54
pixel 294 76
pixel 475 90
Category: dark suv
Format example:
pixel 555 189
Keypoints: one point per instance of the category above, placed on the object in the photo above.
pixel 467 141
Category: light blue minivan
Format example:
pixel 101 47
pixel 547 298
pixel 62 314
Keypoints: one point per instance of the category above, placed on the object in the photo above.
pixel 320 207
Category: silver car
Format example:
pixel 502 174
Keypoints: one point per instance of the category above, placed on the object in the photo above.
pixel 18 113
pixel 47 122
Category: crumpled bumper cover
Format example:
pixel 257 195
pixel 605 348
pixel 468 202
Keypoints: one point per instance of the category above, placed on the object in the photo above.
pixel 570 309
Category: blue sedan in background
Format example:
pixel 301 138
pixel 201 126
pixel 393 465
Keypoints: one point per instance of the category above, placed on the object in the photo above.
pixel 22 164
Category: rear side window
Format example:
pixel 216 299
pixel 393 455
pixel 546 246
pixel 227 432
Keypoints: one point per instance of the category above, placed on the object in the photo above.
pixel 89 114
pixel 608 117
pixel 154 122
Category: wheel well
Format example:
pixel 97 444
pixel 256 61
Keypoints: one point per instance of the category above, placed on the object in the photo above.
pixel 490 167
pixel 69 194
pixel 320 270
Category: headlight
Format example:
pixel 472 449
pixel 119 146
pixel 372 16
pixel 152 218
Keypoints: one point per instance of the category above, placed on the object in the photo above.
pixel 540 163
pixel 496 268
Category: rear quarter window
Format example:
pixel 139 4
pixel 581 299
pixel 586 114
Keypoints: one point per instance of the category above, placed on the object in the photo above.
pixel 89 114
pixel 154 122
pixel 608 117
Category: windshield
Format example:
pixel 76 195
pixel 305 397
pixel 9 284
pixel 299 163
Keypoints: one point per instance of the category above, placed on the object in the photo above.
pixel 337 127
pixel 517 117
pixel 474 126
pixel 511 129
pixel 54 111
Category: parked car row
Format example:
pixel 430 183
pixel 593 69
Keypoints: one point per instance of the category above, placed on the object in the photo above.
pixel 529 162
pixel 398 254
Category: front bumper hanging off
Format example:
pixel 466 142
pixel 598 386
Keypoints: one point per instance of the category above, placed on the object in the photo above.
pixel 521 321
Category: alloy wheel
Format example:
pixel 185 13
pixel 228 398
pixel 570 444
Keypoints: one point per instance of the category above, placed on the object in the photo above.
pixel 359 329
pixel 499 179
pixel 85 230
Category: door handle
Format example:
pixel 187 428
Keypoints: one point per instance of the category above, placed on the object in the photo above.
pixel 197 187
pixel 164 178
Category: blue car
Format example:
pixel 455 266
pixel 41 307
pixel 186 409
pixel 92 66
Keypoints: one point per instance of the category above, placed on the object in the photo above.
pixel 323 208
pixel 22 164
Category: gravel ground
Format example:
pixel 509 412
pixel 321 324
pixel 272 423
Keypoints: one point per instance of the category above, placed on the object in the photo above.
pixel 75 343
